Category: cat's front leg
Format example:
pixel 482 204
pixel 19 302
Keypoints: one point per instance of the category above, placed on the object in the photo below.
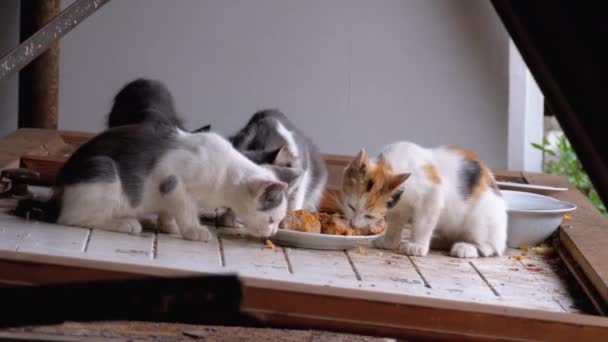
pixel 424 222
pixel 394 227
pixel 183 208
pixel 166 224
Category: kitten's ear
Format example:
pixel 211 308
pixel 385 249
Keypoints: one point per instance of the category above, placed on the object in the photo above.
pixel 285 174
pixel 258 187
pixel 284 156
pixel 358 165
pixel 397 180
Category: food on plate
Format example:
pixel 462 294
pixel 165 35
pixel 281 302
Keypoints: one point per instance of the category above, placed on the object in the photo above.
pixel 330 224
pixel 302 221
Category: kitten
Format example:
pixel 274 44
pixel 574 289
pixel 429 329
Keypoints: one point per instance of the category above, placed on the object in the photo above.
pixel 144 100
pixel 450 196
pixel 132 171
pixel 270 138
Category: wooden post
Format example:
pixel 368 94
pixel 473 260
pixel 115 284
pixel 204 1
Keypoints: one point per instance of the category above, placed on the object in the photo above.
pixel 39 81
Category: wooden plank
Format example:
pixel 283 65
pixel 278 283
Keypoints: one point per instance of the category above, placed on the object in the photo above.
pixel 173 250
pixel 76 137
pixel 453 278
pixel 387 271
pixel 585 236
pixel 521 286
pixel 330 268
pixel 24 141
pixel 120 246
pixel 250 257
pixel 357 311
pixel 47 238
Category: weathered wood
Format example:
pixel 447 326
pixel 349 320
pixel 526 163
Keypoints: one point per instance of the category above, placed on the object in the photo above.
pixel 251 257
pixel 381 314
pixel 172 250
pixel 26 141
pixel 585 237
pixel 144 331
pixel 39 81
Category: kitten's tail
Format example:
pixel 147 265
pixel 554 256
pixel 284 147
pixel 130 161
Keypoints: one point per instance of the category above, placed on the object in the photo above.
pixel 46 210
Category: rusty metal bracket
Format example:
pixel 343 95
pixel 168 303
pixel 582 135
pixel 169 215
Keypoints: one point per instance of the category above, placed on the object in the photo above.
pixel 40 41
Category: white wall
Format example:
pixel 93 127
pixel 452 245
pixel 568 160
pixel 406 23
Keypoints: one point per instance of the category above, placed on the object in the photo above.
pixel 9 39
pixel 351 73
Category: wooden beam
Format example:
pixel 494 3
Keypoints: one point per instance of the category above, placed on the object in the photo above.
pixel 39 81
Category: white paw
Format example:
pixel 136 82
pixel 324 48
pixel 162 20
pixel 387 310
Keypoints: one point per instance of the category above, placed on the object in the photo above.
pixel 131 226
pixel 413 248
pixel 384 243
pixel 464 250
pixel 168 226
pixel 196 234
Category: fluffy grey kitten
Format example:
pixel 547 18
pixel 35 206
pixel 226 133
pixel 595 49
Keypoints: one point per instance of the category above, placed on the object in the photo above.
pixel 144 100
pixel 269 138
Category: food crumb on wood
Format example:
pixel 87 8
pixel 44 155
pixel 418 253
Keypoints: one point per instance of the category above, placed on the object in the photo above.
pixel 567 217
pixel 270 244
pixel 361 251
pixel 519 257
pixel 543 249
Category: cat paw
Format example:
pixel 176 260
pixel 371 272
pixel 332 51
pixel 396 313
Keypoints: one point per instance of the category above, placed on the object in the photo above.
pixel 196 234
pixel 168 226
pixel 413 248
pixel 131 226
pixel 384 243
pixel 464 250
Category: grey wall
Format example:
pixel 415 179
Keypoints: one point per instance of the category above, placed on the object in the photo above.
pixel 9 38
pixel 351 73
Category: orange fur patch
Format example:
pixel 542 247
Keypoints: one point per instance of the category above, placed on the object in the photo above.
pixel 373 182
pixel 431 171
pixel 486 181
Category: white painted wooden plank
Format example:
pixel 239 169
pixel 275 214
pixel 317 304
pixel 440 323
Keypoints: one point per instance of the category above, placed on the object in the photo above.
pixel 545 271
pixel 517 286
pixel 322 267
pixel 453 278
pixel 173 250
pixel 120 246
pixel 12 231
pixel 250 257
pixel 387 271
pixel 46 238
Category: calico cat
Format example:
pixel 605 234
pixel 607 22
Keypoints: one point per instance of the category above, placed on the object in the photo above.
pixel 446 193
pixel 270 138
pixel 132 171
pixel 144 100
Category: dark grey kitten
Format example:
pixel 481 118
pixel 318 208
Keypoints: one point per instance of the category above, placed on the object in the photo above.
pixel 270 138
pixel 144 100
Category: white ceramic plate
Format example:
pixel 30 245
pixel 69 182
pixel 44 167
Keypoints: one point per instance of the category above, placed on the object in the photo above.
pixel 532 217
pixel 528 187
pixel 292 238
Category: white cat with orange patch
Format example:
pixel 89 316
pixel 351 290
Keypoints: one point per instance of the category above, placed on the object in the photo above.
pixel 447 194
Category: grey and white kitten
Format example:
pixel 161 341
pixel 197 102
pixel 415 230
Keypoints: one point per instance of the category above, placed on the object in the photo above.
pixel 269 138
pixel 129 172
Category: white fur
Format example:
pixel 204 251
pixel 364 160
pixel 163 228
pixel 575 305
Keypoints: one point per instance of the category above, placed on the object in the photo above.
pixel 438 211
pixel 210 173
pixel 300 195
